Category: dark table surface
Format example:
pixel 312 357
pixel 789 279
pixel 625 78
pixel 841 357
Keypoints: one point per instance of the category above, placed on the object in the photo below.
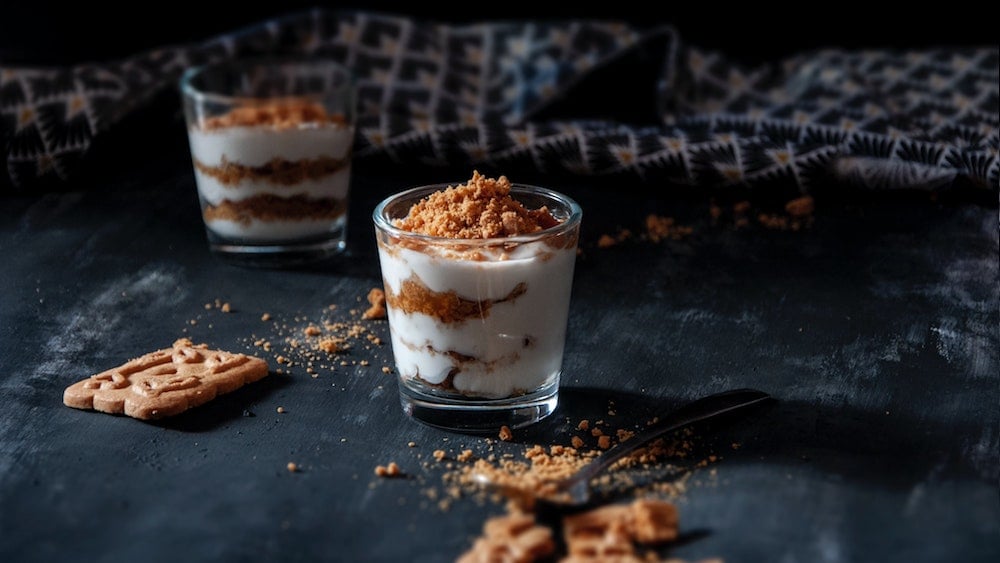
pixel 876 329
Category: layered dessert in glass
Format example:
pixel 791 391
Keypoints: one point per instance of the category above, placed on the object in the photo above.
pixel 275 172
pixel 477 278
pixel 271 144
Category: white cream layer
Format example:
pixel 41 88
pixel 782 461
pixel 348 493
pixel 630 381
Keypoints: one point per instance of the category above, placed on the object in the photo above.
pixel 256 146
pixel 333 186
pixel 257 231
pixel 517 348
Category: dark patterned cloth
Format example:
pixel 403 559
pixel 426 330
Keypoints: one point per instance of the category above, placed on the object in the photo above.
pixel 478 94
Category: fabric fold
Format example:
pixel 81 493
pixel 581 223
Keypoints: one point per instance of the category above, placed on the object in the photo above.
pixel 482 95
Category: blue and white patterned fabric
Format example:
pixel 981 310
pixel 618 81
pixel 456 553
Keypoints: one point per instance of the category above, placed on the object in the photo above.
pixel 477 95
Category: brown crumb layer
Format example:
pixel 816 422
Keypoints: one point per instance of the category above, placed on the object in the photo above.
pixel 447 306
pixel 277 170
pixel 268 207
pixel 286 113
pixel 479 209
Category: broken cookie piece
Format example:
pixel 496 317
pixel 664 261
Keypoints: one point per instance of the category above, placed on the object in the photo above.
pixel 512 538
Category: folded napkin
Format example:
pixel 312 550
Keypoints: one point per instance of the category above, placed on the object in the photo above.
pixel 488 95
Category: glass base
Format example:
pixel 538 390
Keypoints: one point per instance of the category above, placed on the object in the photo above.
pixel 479 415
pixel 277 255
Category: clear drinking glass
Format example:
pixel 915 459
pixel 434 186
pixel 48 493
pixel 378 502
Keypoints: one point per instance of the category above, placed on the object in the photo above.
pixel 478 326
pixel 271 143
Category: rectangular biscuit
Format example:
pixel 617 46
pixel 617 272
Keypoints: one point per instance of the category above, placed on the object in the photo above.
pixel 165 382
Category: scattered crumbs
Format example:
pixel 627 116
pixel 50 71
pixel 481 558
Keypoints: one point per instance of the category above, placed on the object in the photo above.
pixel 505 434
pixel 736 445
pixel 386 369
pixel 411 444
pixel 584 425
pixel 596 432
pixel 798 214
pixel 439 455
pixel 281 410
pixel 343 439
pixel 364 362
pixel 312 330
pixel 226 308
pixel 292 467
pixel 265 317
pixel 577 442
pixel 465 456
pixel 604 442
pixel 660 228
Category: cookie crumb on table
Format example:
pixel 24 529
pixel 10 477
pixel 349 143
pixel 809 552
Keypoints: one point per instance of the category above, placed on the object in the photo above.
pixel 505 434
pixel 391 470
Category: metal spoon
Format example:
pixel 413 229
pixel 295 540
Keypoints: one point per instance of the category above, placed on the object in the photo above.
pixel 575 490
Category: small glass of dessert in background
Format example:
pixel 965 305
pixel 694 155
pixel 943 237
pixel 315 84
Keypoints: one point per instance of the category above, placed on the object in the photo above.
pixel 477 278
pixel 271 146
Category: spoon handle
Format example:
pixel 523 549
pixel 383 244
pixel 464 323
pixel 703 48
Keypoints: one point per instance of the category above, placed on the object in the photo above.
pixel 696 411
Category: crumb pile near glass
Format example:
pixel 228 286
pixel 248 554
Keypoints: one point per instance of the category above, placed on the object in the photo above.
pixel 471 319
pixel 273 172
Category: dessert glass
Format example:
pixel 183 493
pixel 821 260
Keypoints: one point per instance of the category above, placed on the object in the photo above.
pixel 271 143
pixel 478 326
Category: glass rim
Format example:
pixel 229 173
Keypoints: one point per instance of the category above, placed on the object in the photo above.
pixel 191 73
pixel 384 223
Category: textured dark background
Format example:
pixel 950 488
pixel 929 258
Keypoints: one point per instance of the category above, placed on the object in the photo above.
pixel 876 330
pixel 50 32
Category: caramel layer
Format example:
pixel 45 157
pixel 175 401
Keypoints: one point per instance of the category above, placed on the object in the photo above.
pixel 277 171
pixel 447 306
pixel 268 207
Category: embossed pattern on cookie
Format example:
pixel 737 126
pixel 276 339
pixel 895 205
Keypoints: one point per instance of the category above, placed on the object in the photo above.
pixel 165 382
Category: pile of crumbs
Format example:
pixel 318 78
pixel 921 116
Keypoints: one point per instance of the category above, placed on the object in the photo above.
pixel 609 533
pixel 618 531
